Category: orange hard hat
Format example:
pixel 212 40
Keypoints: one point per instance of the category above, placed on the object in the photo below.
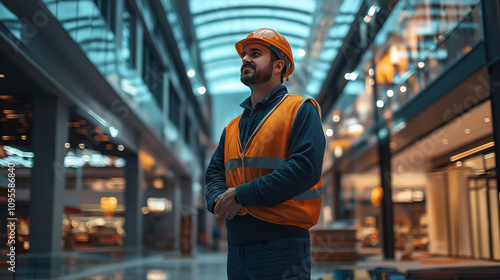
pixel 273 40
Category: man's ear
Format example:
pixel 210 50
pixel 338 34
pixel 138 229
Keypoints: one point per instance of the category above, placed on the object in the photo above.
pixel 278 66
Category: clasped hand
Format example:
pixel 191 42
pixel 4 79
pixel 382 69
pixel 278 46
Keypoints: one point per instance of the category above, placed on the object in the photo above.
pixel 226 205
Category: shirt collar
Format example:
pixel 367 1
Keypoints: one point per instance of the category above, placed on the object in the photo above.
pixel 275 92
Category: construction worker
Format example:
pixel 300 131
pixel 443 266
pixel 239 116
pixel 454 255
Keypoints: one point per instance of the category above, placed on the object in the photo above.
pixel 265 176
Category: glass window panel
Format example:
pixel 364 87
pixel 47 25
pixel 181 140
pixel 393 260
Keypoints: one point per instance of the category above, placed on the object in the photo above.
pixel 225 87
pixel 225 51
pixel 473 199
pixel 350 7
pixel 360 201
pixel 199 6
pixel 484 233
pixel 128 36
pixel 174 105
pixel 217 64
pixel 214 74
pixel 220 40
pixel 88 27
pixel 418 42
pixel 10 21
pixel 494 218
pixel 271 12
pixel 214 29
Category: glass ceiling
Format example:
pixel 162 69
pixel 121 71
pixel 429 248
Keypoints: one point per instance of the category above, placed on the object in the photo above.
pixel 315 30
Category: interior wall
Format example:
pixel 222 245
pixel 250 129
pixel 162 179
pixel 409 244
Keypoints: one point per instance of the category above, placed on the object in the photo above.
pixel 436 213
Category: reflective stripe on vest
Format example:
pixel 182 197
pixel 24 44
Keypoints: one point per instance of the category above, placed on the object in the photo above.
pixel 255 162
pixel 266 150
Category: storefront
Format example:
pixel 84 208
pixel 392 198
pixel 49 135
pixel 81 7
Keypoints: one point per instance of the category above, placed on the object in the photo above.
pixel 414 123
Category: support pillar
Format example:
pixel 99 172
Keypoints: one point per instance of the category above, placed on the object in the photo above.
pixel 188 220
pixel 48 176
pixel 387 207
pixel 338 213
pixel 174 217
pixel 48 179
pixel 133 204
pixel 491 25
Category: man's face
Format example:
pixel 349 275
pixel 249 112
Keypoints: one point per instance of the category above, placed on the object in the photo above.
pixel 257 67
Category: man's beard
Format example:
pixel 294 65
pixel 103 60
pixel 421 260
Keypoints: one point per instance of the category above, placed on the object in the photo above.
pixel 257 77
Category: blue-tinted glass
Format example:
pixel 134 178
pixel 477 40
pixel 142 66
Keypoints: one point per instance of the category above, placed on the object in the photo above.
pixel 220 24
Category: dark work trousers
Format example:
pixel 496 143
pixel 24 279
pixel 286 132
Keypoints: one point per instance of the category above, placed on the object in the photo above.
pixel 284 259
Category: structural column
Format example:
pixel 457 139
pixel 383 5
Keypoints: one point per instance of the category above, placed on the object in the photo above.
pixel 133 204
pixel 338 209
pixel 174 217
pixel 491 25
pixel 387 207
pixel 48 176
pixel 188 221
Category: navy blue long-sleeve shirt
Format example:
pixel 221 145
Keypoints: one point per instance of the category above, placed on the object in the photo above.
pixel 301 171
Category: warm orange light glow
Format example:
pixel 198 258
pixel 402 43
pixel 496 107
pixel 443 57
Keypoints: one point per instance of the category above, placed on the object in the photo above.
pixel 147 161
pixel 158 183
pixel 6 138
pixel 73 124
pixel 8 112
pixel 15 116
pixel 108 204
pixel 377 194
pixel 6 97
pixel 385 70
pixel 344 143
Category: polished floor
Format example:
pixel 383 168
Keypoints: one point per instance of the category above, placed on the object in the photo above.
pixel 106 264
pixel 118 265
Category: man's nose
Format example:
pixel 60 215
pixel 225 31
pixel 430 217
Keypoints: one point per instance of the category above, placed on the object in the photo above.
pixel 246 59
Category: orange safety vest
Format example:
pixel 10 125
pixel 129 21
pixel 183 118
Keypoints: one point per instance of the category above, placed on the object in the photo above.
pixel 266 150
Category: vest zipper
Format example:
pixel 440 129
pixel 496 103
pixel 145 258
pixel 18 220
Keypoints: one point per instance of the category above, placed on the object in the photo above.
pixel 243 165
pixel 251 138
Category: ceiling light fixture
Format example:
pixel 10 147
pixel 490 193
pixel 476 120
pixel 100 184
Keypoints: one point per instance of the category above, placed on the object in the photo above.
pixel 202 90
pixel 472 151
pixel 329 132
pixel 113 131
pixel 488 156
